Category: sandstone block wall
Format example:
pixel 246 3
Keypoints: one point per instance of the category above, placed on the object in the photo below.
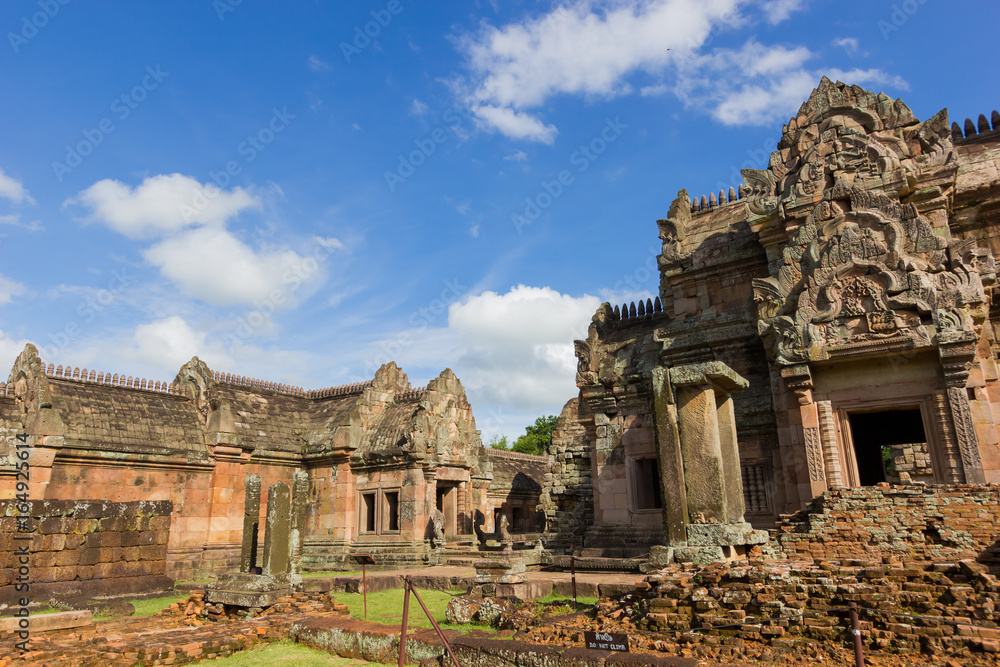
pixel 86 549
pixel 915 523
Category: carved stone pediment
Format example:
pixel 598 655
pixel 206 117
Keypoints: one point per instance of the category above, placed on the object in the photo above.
pixel 34 394
pixel 854 268
pixel 195 378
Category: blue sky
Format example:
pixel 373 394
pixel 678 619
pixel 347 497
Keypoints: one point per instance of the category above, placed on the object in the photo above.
pixel 300 191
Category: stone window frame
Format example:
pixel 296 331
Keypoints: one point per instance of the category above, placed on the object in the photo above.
pixel 381 507
pixel 631 476
pixel 363 512
pixel 384 495
pixel 845 441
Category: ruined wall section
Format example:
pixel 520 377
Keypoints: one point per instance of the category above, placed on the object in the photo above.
pixel 940 523
pixel 83 550
pixel 10 426
pixel 616 414
pixel 567 495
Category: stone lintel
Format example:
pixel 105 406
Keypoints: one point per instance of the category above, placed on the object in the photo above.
pixel 719 375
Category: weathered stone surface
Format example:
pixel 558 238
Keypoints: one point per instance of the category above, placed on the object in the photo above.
pixel 80 550
pixel 853 275
pixel 724 534
pixel 46 622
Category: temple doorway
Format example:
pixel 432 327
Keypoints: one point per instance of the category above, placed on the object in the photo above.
pixel 447 503
pixel 885 442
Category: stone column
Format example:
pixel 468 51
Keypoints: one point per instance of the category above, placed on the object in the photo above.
pixel 731 470
pixel 956 359
pixel 251 520
pixel 300 500
pixel 709 475
pixel 831 448
pixel 668 446
pixel 277 530
pixel 965 433
pixel 702 451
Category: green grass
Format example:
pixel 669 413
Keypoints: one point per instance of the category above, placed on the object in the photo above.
pixel 148 607
pixel 386 607
pixel 286 653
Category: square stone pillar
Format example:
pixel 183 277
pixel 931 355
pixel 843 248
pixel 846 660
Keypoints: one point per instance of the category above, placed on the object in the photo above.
pixel 709 446
pixel 731 471
pixel 668 445
pixel 251 520
pixel 300 503
pixel 702 451
pixel 277 530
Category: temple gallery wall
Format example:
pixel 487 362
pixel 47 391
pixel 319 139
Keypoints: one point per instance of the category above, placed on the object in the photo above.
pixel 827 324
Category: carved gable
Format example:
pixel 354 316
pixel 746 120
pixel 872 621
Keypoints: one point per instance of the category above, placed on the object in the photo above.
pixel 853 212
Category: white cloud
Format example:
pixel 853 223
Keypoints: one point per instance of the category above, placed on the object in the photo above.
pixel 582 47
pixel 517 156
pixel 162 204
pixel 14 220
pixel 9 289
pixel 9 349
pixel 849 44
pixel 779 10
pixel 212 264
pixel 518 346
pixel 604 48
pixel 515 124
pixel 761 85
pixel 167 343
pixel 13 190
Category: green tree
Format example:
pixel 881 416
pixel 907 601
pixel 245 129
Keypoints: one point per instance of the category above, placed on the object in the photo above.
pixel 538 437
pixel 498 442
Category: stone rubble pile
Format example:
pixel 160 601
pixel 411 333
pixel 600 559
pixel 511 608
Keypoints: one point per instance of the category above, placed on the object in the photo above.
pixel 790 606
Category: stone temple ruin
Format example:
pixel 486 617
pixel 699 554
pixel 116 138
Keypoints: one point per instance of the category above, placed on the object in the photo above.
pixel 836 312
pixel 823 328
pixel 373 462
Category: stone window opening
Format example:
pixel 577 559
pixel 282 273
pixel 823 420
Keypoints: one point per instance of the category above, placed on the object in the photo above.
pixel 889 446
pixel 392 511
pixel 646 490
pixel 368 512
pixel 379 512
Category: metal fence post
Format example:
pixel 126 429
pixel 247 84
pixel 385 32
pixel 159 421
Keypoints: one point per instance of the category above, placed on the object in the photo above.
pixel 859 653
pixel 406 613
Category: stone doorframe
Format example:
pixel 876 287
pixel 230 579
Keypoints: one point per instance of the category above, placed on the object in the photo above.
pixel 838 443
